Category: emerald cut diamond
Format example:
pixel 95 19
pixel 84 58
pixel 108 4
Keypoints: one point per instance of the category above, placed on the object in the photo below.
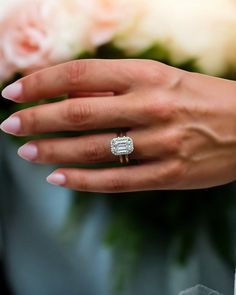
pixel 121 146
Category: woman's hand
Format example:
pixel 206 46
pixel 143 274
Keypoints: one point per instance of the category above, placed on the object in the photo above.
pixel 183 124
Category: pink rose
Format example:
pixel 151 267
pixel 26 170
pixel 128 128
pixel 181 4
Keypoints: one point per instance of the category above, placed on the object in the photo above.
pixel 36 34
pixel 25 35
pixel 6 69
pixel 107 18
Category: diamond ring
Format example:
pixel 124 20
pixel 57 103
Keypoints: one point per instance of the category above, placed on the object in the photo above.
pixel 122 146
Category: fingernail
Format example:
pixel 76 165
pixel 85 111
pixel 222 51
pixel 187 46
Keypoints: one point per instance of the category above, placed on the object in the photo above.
pixel 56 178
pixel 11 125
pixel 28 152
pixel 13 91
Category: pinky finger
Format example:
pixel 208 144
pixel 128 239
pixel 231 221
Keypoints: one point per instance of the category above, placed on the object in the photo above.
pixel 143 177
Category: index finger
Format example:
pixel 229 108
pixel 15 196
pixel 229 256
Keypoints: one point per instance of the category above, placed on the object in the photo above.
pixel 92 75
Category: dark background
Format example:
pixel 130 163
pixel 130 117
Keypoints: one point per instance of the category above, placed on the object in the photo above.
pixel 4 288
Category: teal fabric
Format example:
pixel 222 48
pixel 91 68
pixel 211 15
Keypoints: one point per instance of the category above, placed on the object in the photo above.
pixel 42 260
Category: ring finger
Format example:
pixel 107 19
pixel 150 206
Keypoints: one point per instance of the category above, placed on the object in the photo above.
pixel 95 148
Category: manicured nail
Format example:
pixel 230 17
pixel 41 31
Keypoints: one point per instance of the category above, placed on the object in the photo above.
pixel 28 152
pixel 56 178
pixel 13 91
pixel 11 125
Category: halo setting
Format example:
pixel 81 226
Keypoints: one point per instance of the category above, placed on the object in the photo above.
pixel 121 146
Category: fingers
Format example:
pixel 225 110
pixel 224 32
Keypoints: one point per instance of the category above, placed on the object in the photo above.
pixel 146 176
pixel 77 94
pixel 75 115
pixel 95 148
pixel 80 75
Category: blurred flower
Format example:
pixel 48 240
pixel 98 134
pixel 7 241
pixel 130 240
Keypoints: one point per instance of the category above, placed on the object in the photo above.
pixel 6 69
pixel 35 34
pixel 142 32
pixel 6 5
pixel 108 18
pixel 204 30
pixel 39 33
pixel 69 31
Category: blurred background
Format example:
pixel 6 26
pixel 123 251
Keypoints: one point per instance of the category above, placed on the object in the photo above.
pixel 55 241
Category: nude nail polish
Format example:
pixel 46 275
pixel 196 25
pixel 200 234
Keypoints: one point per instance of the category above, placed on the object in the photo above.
pixel 56 178
pixel 11 125
pixel 28 152
pixel 13 91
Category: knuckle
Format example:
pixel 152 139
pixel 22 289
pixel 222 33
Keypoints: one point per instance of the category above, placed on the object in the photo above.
pixel 30 83
pixel 151 109
pixel 160 74
pixel 80 183
pixel 173 175
pixel 76 70
pixel 77 113
pixel 155 73
pixel 95 152
pixel 116 184
pixel 160 108
pixel 31 124
pixel 47 153
pixel 173 144
pixel 176 172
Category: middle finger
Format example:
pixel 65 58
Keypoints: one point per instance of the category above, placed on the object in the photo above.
pixel 76 115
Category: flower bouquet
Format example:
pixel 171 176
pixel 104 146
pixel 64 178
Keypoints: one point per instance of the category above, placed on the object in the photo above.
pixel 196 36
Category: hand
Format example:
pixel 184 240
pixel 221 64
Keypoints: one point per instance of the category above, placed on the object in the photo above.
pixel 183 124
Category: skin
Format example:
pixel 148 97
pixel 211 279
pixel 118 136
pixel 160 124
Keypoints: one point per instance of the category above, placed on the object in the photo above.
pixel 183 124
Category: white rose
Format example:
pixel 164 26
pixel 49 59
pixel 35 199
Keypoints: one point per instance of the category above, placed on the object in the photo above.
pixel 5 5
pixel 70 30
pixel 204 30
pixel 140 32
pixel 106 19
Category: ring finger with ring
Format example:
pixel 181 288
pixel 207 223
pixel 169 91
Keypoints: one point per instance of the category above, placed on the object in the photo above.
pixel 94 148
